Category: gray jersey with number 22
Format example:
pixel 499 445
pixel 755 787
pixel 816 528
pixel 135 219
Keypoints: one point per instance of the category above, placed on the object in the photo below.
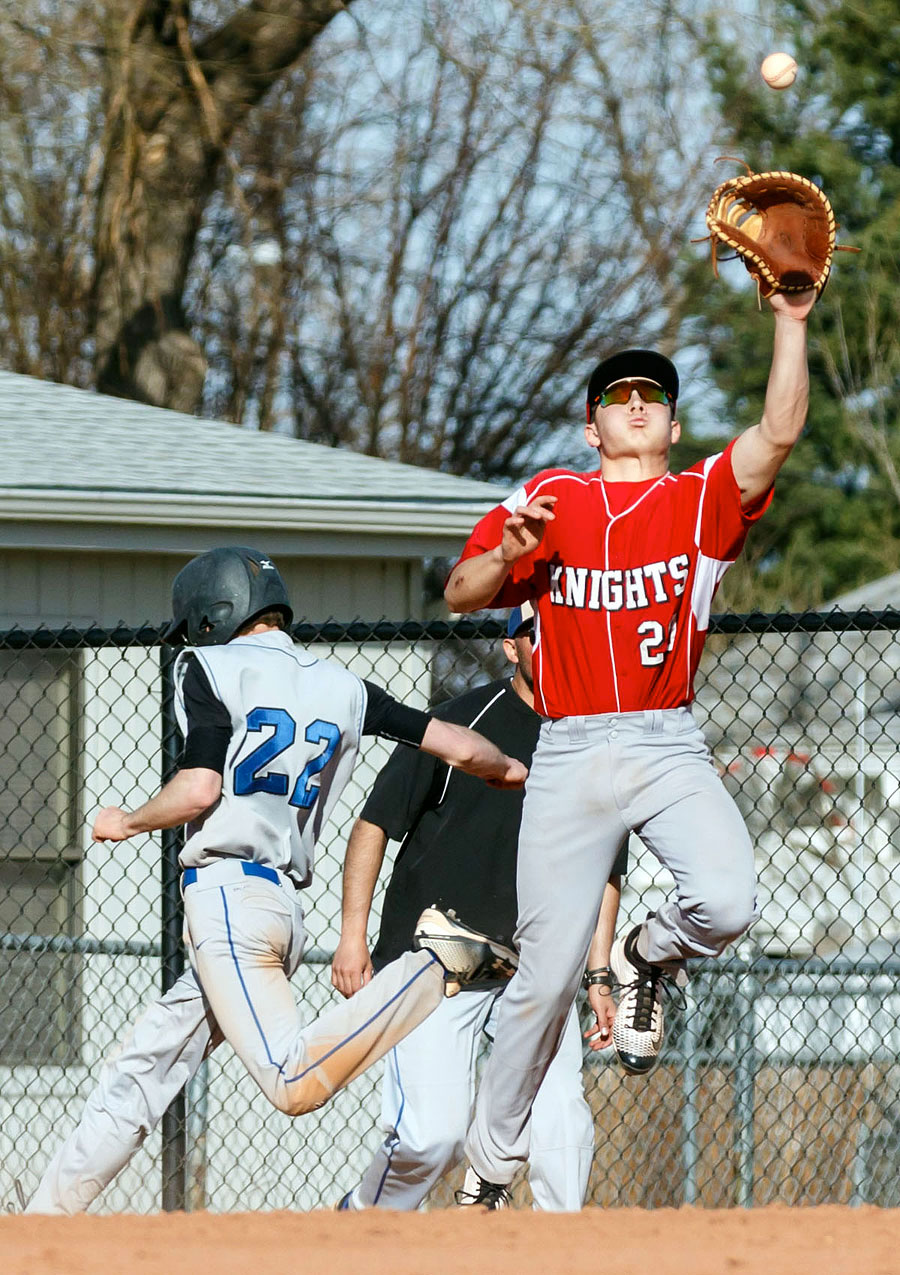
pixel 296 725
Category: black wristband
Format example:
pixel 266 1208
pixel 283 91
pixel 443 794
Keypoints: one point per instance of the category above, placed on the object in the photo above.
pixel 599 977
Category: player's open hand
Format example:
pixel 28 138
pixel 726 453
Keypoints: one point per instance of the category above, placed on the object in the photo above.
pixel 603 1007
pixel 110 825
pixel 524 530
pixel 351 967
pixel 793 305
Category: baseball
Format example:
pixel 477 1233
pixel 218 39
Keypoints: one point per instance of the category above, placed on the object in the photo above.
pixel 779 70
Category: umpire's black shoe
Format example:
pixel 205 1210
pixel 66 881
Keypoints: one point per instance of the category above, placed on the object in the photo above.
pixel 477 1193
pixel 638 1026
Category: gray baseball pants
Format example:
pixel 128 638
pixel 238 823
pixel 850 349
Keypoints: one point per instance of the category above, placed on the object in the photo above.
pixel 594 780
pixel 426 1105
pixel 245 939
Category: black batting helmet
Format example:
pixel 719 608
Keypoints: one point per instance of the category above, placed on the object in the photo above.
pixel 220 591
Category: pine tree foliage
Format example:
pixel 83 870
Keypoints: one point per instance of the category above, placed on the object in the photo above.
pixel 835 523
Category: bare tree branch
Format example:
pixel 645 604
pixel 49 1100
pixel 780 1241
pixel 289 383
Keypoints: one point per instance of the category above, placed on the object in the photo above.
pixel 161 167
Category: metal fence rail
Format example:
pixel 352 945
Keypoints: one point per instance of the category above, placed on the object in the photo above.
pixel 779 1081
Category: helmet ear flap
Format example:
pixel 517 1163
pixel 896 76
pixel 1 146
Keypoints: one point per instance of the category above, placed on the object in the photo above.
pixel 215 620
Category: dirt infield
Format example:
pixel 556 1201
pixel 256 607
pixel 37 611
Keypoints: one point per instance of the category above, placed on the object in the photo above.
pixel 772 1241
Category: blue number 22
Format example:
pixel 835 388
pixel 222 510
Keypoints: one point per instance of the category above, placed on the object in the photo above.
pixel 247 776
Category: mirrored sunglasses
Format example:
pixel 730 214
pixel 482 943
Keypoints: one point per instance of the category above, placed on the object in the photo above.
pixel 622 390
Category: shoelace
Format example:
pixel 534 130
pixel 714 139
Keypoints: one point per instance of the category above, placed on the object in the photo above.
pixel 490 1194
pixel 646 987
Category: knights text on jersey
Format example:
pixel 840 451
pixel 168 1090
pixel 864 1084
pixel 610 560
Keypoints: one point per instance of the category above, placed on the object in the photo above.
pixel 622 582
pixel 296 725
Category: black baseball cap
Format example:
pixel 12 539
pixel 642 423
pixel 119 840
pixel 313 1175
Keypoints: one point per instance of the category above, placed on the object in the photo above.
pixel 631 365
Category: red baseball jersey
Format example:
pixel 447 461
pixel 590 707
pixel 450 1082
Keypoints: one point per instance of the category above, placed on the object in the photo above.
pixel 622 582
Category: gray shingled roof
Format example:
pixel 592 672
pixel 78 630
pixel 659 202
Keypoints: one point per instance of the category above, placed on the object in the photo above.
pixel 125 446
pixel 72 455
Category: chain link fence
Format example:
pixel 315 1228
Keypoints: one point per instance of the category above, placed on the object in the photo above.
pixel 780 1080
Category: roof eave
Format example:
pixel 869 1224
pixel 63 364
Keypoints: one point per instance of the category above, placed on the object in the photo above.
pixel 437 522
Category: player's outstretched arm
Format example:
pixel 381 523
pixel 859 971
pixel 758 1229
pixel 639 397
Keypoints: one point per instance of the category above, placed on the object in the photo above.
pixel 600 999
pixel 351 967
pixel 467 750
pixel 760 451
pixel 473 583
pixel 186 796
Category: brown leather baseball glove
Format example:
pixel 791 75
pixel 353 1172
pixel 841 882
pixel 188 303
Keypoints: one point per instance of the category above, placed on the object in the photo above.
pixel 780 224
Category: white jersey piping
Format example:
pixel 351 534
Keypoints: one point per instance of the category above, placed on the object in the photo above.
pixel 609 526
pixel 689 644
pixel 478 716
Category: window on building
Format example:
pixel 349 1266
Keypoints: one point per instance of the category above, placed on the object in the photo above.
pixel 40 868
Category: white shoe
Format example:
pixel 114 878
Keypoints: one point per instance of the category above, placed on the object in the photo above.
pixel 469 958
pixel 638 1026
pixel 477 1193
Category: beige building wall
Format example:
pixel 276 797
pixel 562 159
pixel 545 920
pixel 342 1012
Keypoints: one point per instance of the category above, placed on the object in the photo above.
pixel 54 587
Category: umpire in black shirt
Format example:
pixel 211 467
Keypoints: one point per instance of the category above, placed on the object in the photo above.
pixel 459 840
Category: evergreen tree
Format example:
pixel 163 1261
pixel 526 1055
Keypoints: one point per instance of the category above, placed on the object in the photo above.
pixel 835 523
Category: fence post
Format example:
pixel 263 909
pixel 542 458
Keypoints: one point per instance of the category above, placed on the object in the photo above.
pixel 174 1122
pixel 745 1067
pixel 196 1151
pixel 690 1044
